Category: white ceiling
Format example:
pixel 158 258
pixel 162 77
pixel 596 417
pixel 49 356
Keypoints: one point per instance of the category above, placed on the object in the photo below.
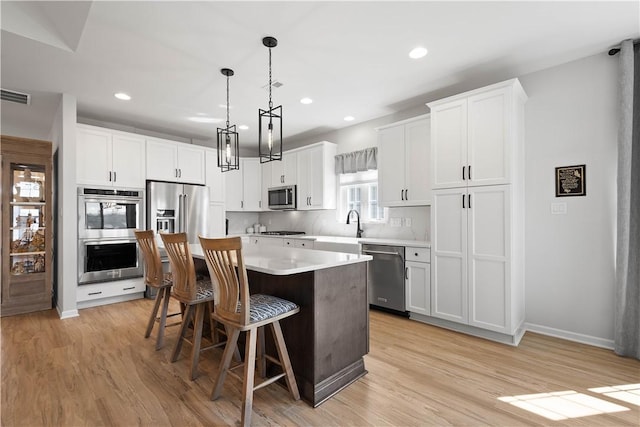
pixel 351 58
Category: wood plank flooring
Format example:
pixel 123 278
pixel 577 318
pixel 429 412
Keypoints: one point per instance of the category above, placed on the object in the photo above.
pixel 98 370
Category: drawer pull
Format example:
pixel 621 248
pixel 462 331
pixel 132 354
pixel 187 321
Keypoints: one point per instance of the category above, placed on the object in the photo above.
pixel 129 288
pixel 95 293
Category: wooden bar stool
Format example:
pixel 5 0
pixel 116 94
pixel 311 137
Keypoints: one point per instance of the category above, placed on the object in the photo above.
pixel 195 295
pixel 238 312
pixel 155 278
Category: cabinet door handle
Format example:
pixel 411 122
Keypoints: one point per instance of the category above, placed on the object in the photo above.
pixel 114 176
pixel 109 176
pixel 463 171
pixel 469 201
pixel 469 174
pixel 406 273
pixel 406 194
pixel 463 206
pixel 259 203
pixel 241 204
pixel 180 171
pixel 402 194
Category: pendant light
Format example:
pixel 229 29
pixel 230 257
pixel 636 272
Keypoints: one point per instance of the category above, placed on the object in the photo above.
pixel 228 155
pixel 270 121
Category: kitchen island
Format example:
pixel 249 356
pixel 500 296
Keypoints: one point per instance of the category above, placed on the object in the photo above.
pixel 328 338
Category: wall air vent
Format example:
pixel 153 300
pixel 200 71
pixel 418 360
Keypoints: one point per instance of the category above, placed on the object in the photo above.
pixel 13 96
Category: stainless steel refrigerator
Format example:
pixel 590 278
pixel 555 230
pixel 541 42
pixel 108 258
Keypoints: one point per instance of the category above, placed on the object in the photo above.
pixel 175 208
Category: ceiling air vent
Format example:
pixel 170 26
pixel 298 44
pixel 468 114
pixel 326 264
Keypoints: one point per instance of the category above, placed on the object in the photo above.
pixel 13 96
pixel 276 84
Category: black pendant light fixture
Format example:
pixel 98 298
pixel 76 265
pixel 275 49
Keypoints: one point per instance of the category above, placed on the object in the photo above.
pixel 228 144
pixel 270 121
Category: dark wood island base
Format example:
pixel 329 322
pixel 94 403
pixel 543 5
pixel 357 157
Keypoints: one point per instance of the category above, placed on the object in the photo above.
pixel 329 337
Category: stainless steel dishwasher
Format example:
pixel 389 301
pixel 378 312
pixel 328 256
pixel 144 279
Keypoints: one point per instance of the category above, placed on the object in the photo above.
pixel 386 276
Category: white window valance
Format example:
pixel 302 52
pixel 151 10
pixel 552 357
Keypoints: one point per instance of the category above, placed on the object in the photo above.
pixel 357 161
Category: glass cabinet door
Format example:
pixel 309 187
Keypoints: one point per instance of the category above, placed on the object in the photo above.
pixel 27 230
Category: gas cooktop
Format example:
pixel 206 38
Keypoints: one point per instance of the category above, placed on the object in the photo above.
pixel 281 233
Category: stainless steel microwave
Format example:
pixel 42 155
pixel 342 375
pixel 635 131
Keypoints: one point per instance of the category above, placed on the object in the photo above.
pixel 282 197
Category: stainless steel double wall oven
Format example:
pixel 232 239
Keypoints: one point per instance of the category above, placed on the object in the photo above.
pixel 107 248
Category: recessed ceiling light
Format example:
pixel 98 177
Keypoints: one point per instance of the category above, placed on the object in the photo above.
pixel 417 52
pixel 306 101
pixel 243 127
pixel 201 119
pixel 349 118
pixel 122 96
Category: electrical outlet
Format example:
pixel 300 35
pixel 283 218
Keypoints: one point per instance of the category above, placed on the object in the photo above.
pixel 396 222
pixel 407 222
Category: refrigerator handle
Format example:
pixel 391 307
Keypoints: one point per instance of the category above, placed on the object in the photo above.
pixel 180 215
pixel 185 216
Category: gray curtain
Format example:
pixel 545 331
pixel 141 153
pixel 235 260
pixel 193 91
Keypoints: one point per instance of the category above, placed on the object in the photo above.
pixel 627 315
pixel 357 161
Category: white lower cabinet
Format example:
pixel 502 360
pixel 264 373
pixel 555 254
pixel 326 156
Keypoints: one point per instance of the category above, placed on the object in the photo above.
pixel 266 241
pixel 298 243
pixel 109 292
pixel 475 279
pixel 417 280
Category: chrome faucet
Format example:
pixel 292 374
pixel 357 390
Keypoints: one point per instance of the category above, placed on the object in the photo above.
pixel 359 232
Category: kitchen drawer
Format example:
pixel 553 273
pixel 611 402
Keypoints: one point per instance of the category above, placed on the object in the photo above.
pixel 109 289
pixel 298 243
pixel 418 254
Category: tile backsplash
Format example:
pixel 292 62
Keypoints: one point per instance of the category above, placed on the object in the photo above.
pixel 407 223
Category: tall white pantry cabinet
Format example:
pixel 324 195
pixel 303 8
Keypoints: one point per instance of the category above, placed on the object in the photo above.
pixel 477 218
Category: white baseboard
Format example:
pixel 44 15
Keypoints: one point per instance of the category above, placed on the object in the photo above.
pixel 571 336
pixel 67 314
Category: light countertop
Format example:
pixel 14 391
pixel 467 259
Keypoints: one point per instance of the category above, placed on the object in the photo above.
pixel 284 261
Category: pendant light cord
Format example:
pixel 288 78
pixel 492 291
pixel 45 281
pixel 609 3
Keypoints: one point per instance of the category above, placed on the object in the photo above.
pixel 227 102
pixel 270 102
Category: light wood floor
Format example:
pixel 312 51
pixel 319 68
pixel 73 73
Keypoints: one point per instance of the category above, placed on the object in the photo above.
pixel 98 370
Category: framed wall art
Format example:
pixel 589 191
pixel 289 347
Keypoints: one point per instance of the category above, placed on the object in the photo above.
pixel 571 181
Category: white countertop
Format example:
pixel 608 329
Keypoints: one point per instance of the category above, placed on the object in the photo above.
pixel 284 261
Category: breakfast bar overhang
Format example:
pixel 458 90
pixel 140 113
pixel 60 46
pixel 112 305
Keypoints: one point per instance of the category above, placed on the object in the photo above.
pixel 328 338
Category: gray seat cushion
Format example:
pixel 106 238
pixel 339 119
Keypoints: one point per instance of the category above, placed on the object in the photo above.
pixel 263 307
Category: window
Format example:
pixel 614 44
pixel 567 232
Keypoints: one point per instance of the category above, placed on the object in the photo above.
pixel 359 191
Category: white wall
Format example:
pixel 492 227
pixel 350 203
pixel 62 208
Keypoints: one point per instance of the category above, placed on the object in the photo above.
pixel 571 119
pixel 63 136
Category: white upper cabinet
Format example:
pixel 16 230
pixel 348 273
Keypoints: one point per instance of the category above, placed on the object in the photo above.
pixel 474 136
pixel 403 163
pixel 109 158
pixel 214 178
pixel 316 176
pixel 243 188
pixel 175 161
pixel 284 172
